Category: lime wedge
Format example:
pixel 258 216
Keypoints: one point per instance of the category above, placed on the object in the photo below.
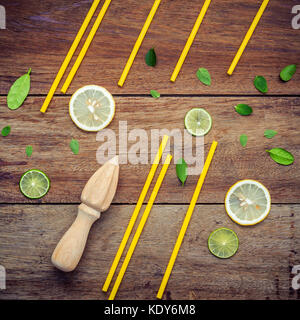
pixel 198 122
pixel 92 108
pixel 223 243
pixel 34 184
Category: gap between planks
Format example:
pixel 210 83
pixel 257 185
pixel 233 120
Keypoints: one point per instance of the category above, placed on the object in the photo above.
pixel 131 204
pixel 138 95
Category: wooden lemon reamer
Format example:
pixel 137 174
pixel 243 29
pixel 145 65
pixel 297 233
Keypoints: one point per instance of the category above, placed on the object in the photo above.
pixel 96 197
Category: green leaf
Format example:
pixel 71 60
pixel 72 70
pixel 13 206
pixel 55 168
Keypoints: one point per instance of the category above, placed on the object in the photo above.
pixel 19 91
pixel 260 84
pixel 155 94
pixel 181 170
pixel 243 140
pixel 29 151
pixel 5 131
pixel 270 133
pixel 74 145
pixel 150 58
pixel 281 156
pixel 243 109
pixel 287 72
pixel 204 76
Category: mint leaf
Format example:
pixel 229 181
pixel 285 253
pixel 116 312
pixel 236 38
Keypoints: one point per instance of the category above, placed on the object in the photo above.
pixel 243 109
pixel 270 133
pixel 243 140
pixel 155 94
pixel 150 58
pixel 5 131
pixel 260 84
pixel 287 72
pixel 74 145
pixel 204 76
pixel 19 91
pixel 281 156
pixel 29 151
pixel 181 170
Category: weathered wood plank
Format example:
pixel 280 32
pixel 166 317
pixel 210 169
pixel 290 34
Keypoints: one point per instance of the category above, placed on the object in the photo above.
pixel 39 35
pixel 50 135
pixel 260 269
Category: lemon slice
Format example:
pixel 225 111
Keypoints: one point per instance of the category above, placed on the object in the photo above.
pixel 223 243
pixel 248 202
pixel 198 122
pixel 34 184
pixel 92 108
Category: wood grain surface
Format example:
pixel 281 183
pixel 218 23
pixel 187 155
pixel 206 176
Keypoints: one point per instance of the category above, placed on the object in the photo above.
pixel 50 136
pixel 38 36
pixel 259 270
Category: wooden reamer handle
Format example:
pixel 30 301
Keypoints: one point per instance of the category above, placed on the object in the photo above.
pixel 70 248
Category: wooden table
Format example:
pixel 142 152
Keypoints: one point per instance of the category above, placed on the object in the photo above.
pixel 38 36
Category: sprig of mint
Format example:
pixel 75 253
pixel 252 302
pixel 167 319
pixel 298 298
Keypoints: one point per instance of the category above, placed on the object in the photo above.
pixel 243 140
pixel 287 72
pixel 243 109
pixel 270 133
pixel 74 145
pixel 5 131
pixel 181 170
pixel 281 156
pixel 155 94
pixel 204 76
pixel 19 91
pixel 150 58
pixel 260 84
pixel 29 151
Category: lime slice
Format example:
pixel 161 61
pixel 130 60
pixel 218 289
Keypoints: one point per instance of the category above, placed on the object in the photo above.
pixel 248 202
pixel 223 243
pixel 34 184
pixel 92 108
pixel 198 122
